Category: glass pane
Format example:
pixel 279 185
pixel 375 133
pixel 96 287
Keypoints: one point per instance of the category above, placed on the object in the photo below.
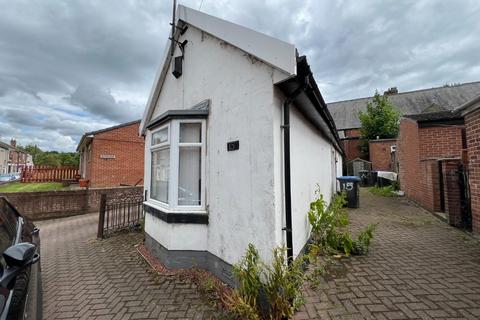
pixel 189 177
pixel 190 132
pixel 160 174
pixel 160 136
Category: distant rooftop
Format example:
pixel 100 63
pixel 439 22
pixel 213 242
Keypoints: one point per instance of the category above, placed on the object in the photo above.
pixel 446 98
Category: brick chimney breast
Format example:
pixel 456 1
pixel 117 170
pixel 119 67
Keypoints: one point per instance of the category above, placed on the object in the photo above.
pixel 391 91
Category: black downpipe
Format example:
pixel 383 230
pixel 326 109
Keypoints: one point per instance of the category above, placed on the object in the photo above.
pixel 287 176
pixel 288 188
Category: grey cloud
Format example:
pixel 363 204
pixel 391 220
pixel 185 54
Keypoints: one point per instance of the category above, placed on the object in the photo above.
pixel 75 66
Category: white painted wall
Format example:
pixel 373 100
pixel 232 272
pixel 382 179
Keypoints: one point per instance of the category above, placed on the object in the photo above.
pixel 239 184
pixel 312 166
pixel 244 188
pixel 4 157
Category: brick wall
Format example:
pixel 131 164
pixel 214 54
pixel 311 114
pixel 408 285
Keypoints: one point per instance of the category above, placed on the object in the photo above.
pixel 408 156
pixel 380 154
pixel 418 152
pixel 351 145
pixel 127 167
pixel 59 204
pixel 441 142
pixel 472 122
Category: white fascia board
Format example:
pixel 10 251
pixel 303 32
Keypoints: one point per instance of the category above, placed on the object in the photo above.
pixel 275 52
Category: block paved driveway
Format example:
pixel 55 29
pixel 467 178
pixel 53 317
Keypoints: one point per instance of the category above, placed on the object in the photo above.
pixel 84 278
pixel 418 268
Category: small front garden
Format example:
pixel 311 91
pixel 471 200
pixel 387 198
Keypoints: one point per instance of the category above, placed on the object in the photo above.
pixel 30 187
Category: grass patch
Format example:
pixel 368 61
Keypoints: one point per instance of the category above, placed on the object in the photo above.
pixel 388 191
pixel 31 187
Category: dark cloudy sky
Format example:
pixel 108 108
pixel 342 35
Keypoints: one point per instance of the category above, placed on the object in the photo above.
pixel 67 67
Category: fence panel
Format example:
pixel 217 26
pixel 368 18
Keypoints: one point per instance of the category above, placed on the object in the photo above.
pixel 49 174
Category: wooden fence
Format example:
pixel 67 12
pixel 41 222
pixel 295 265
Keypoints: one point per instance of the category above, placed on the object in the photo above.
pixel 49 174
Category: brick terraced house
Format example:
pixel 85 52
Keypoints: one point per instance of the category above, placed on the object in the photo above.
pixel 345 113
pixel 112 156
pixel 429 153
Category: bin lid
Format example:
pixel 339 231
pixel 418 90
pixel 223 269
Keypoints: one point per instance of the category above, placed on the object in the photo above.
pixel 349 178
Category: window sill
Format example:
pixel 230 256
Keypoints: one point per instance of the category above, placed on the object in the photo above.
pixel 191 217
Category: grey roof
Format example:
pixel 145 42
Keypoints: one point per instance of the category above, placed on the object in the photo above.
pixel 4 145
pixel 345 113
pixel 436 116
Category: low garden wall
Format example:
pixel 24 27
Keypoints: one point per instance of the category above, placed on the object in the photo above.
pixel 63 203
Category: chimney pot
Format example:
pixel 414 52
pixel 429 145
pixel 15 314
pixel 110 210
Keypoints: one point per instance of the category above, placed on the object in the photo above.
pixel 13 142
pixel 391 91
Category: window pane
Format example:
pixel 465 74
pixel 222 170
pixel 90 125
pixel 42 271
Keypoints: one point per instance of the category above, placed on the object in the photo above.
pixel 189 177
pixel 160 136
pixel 160 173
pixel 190 132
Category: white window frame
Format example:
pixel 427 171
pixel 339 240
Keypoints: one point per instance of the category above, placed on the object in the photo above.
pixel 173 142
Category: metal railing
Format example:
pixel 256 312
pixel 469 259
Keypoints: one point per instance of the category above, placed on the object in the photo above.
pixel 119 214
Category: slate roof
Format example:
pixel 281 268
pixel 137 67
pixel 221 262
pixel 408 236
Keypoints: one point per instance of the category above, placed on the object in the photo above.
pixel 345 113
pixel 435 116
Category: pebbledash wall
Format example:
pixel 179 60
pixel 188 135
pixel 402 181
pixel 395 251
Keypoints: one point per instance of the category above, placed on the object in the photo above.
pixel 419 152
pixel 65 203
pixel 472 123
pixel 244 188
pixel 116 157
pixel 382 156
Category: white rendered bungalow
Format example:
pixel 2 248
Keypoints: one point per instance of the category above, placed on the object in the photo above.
pixel 237 140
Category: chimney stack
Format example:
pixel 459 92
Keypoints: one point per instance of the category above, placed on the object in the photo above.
pixel 391 91
pixel 13 142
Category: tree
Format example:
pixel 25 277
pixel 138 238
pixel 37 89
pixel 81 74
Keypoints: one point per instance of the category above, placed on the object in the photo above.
pixel 51 158
pixel 380 120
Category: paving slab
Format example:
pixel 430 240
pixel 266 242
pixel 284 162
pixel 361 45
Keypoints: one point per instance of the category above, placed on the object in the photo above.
pixel 418 267
pixel 86 278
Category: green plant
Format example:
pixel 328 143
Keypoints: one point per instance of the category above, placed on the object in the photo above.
pixel 387 191
pixel 380 120
pixel 329 228
pixel 267 291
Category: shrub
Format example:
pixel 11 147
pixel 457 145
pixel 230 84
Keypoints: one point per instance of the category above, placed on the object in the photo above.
pixel 267 291
pixel 387 191
pixel 329 232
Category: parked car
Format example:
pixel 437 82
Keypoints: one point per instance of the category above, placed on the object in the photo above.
pixel 20 271
pixel 10 177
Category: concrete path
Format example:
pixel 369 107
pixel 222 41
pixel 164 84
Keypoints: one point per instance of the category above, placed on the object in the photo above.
pixel 418 268
pixel 85 278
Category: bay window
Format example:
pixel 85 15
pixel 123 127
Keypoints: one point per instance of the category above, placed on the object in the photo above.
pixel 177 162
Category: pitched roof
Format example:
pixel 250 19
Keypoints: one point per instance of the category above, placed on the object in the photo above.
pixel 435 116
pixel 303 91
pixel 5 145
pixel 345 112
pixel 274 52
pixel 92 133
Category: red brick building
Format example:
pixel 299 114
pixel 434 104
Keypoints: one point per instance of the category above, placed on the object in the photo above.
pixel 446 98
pixel 471 112
pixel 429 150
pixel 382 154
pixel 113 156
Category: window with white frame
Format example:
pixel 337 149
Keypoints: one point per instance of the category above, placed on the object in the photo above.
pixel 177 162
